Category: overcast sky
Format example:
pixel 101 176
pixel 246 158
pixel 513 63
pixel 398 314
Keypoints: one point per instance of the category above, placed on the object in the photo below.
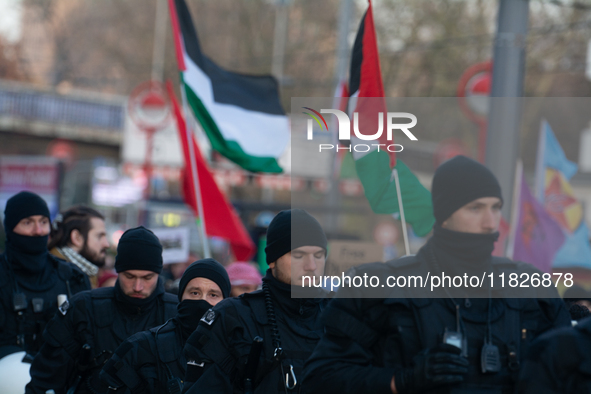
pixel 10 19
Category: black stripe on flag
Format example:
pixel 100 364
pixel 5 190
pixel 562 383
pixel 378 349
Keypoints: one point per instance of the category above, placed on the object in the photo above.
pixel 357 59
pixel 252 92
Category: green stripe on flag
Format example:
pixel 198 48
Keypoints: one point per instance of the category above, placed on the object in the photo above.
pixel 230 149
pixel 374 172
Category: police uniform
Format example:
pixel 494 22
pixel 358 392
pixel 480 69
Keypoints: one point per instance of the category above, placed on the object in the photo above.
pixel 368 340
pixel 80 341
pixel 102 319
pixel 22 329
pixel 559 362
pixel 153 361
pixel 217 352
pixel 30 279
pixel 470 338
pixel 148 362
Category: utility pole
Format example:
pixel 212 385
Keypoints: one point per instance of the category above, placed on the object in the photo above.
pixel 159 41
pixel 340 73
pixel 280 39
pixel 343 47
pixel 504 118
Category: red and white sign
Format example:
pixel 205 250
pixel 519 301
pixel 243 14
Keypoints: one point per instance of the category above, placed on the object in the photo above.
pixel 280 182
pixel 39 175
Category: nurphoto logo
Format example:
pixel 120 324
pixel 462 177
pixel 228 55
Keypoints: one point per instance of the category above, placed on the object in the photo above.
pixel 345 129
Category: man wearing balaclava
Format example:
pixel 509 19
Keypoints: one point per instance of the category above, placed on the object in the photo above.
pixel 33 283
pixel 222 354
pixel 152 361
pixel 80 339
pixel 403 340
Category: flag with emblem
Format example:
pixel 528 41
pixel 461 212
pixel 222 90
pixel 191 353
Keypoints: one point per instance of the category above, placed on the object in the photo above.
pixel 537 236
pixel 553 172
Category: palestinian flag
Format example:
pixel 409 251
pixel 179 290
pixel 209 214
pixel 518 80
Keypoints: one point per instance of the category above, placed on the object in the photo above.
pixel 241 114
pixel 221 220
pixel 374 168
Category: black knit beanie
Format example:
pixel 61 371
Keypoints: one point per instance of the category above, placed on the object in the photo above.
pixel 139 249
pixel 459 181
pixel 20 206
pixel 291 229
pixel 209 269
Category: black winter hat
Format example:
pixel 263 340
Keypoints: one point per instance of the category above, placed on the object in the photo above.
pixel 291 229
pixel 22 205
pixel 459 181
pixel 206 268
pixel 139 249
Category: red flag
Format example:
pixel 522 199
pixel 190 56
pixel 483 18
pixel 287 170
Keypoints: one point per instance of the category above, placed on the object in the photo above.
pixel 366 81
pixel 220 218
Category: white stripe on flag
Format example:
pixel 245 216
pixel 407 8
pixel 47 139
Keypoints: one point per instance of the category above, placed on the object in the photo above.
pixel 257 133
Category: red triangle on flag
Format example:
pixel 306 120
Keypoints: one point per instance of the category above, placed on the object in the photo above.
pixel 221 220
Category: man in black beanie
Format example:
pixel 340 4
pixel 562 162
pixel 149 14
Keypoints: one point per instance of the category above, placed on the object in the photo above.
pixel 32 281
pixel 396 340
pixel 80 339
pixel 152 361
pixel 220 354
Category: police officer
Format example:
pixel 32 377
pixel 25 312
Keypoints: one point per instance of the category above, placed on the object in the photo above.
pixel 31 280
pixel 82 338
pixel 402 343
pixel 559 362
pixel 79 236
pixel 152 361
pixel 225 354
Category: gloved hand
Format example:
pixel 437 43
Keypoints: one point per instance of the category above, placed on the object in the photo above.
pixel 438 366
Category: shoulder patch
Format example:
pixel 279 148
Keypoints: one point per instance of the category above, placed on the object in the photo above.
pixel 209 317
pixel 64 306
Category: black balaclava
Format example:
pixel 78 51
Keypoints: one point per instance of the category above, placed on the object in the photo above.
pixel 138 249
pixel 28 256
pixel 456 183
pixel 459 181
pixel 191 311
pixel 137 306
pixel 292 229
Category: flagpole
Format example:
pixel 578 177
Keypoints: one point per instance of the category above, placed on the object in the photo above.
pixel 515 210
pixel 540 176
pixel 401 209
pixel 181 65
pixel 197 189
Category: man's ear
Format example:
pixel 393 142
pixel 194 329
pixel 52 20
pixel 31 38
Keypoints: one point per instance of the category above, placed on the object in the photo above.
pixel 272 265
pixel 76 240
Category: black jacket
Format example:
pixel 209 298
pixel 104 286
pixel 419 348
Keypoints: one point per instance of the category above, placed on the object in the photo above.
pixel 65 278
pixel 368 339
pixel 147 361
pixel 559 362
pixel 102 318
pixel 225 334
